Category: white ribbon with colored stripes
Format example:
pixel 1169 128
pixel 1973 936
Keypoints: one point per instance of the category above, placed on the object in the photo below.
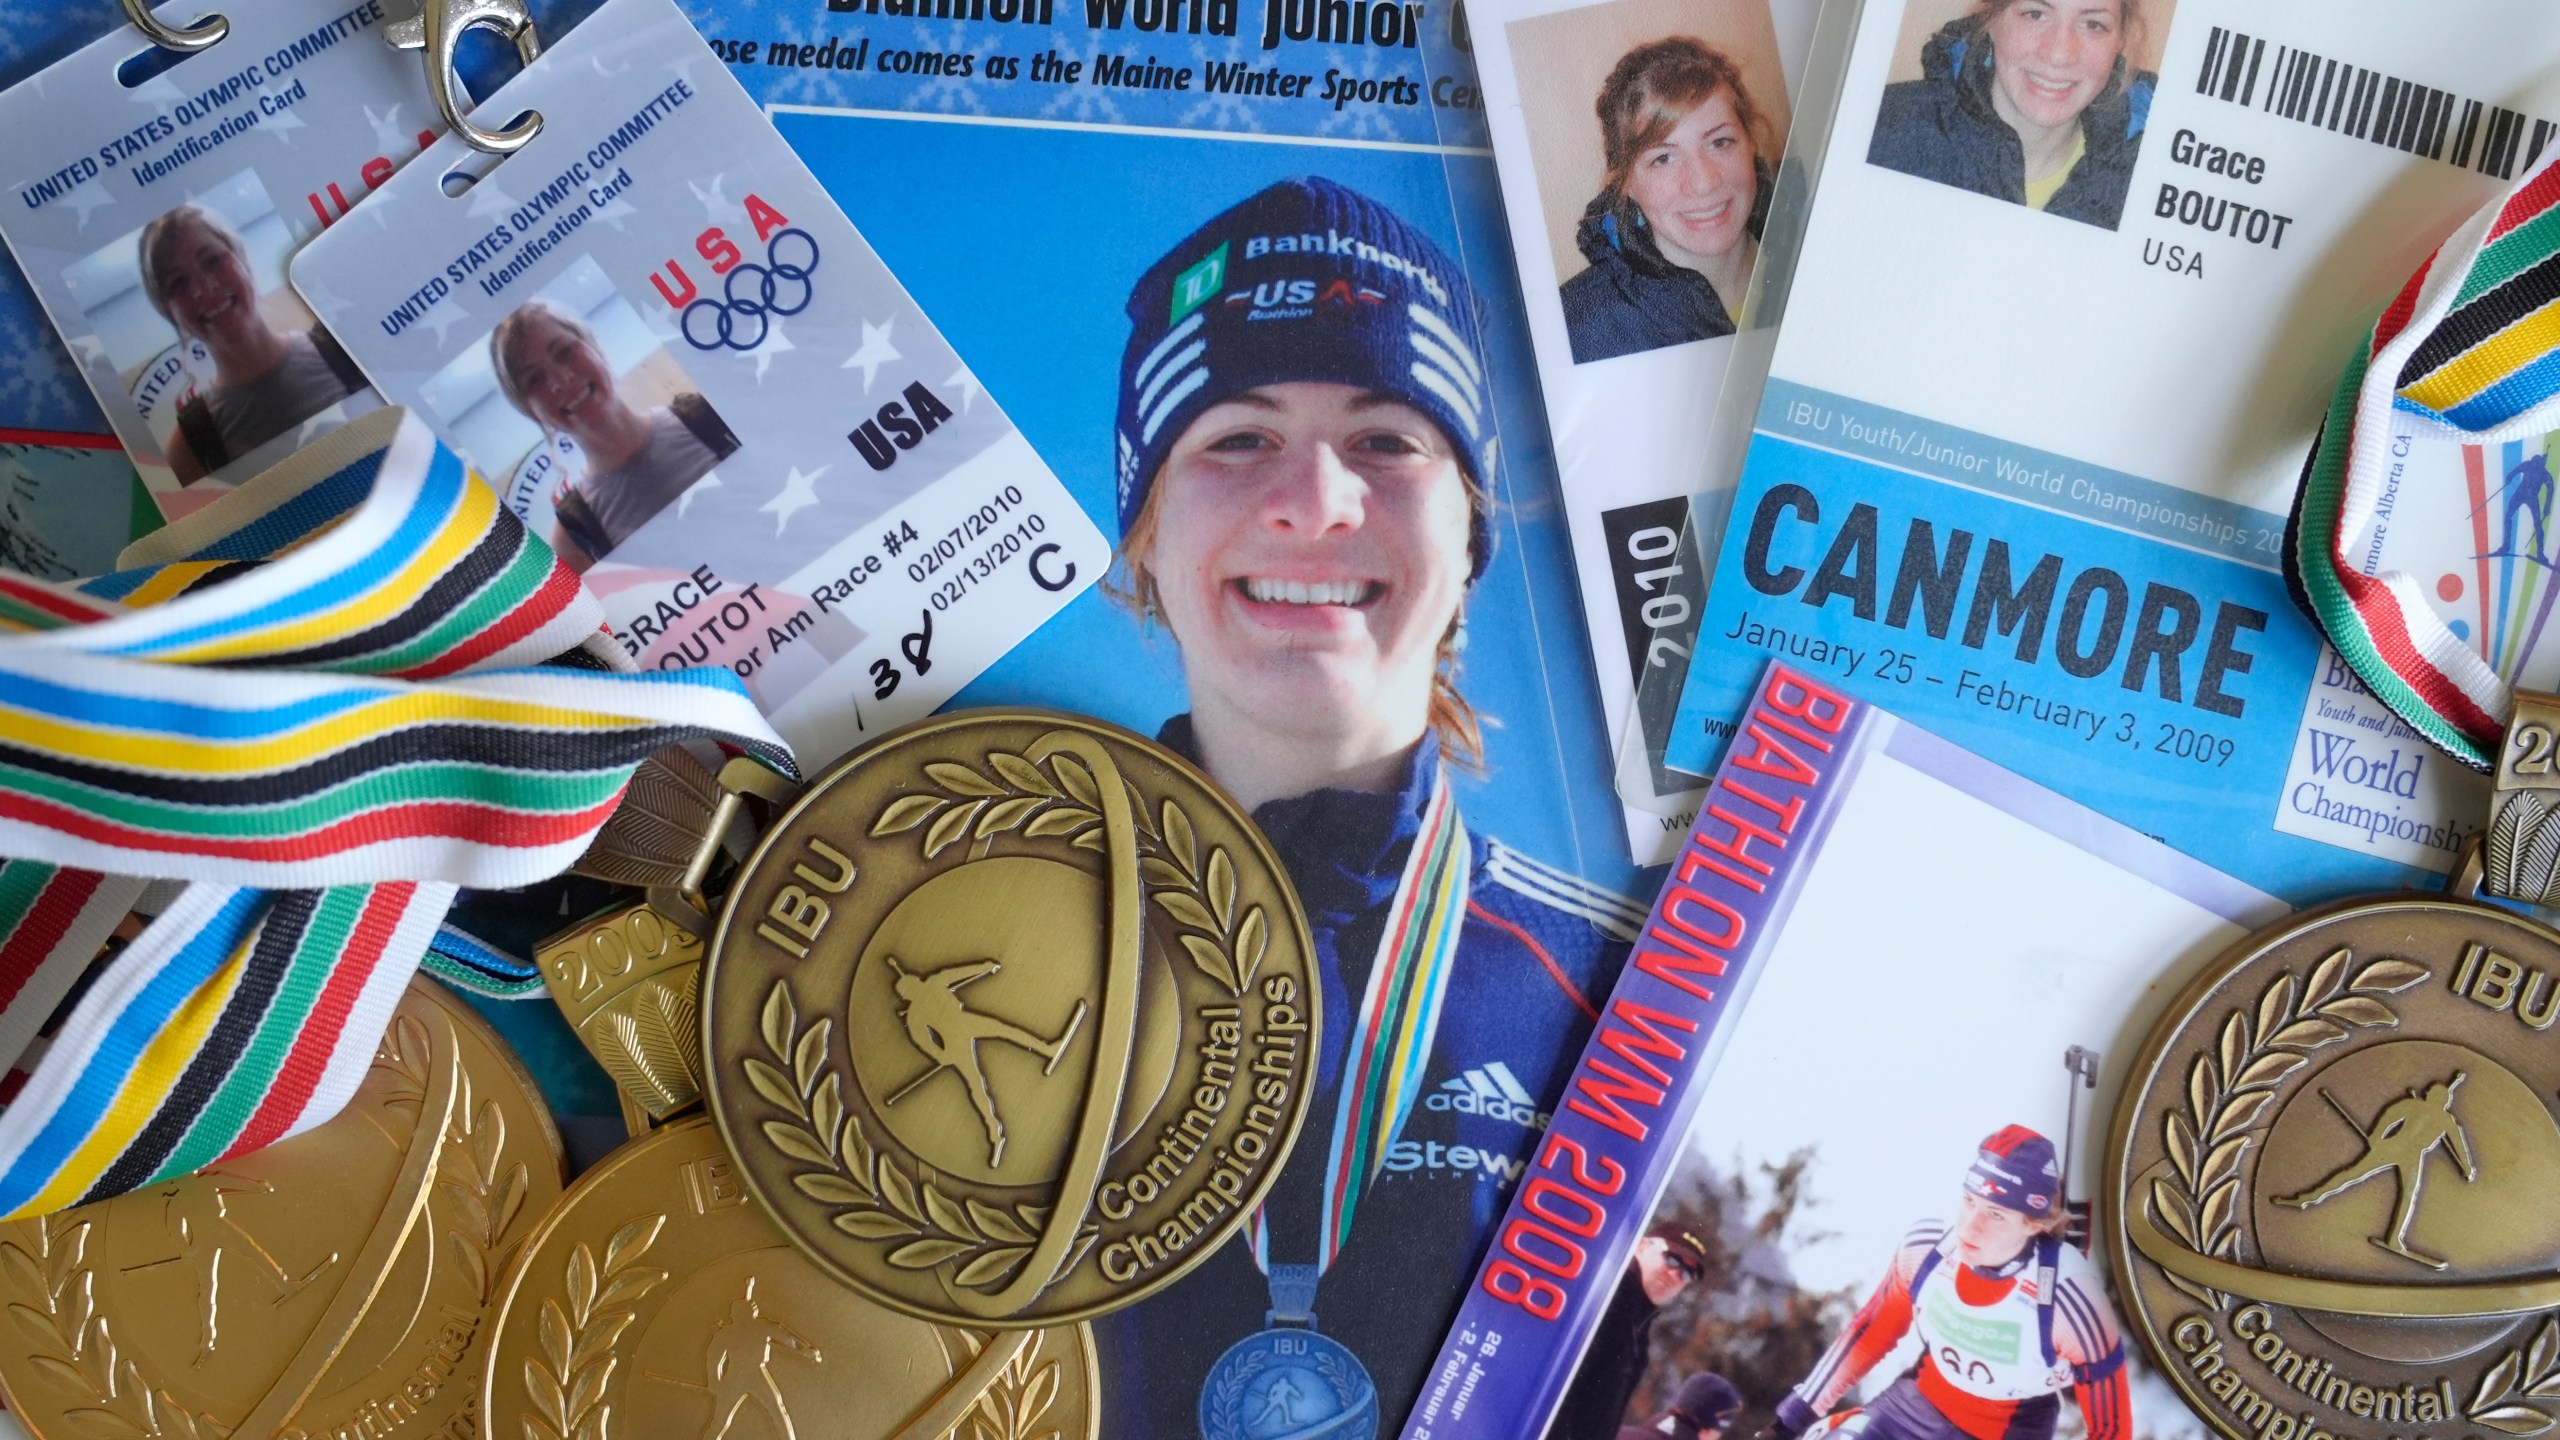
pixel 2467 353
pixel 306 685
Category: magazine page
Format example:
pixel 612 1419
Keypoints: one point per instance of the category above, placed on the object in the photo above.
pixel 1220 237
pixel 2042 509
pixel 1639 143
pixel 1879 959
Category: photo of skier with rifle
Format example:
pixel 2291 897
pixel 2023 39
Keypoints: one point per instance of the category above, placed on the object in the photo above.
pixel 2008 1310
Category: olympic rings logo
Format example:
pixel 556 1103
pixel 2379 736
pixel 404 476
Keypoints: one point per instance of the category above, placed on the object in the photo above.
pixel 743 315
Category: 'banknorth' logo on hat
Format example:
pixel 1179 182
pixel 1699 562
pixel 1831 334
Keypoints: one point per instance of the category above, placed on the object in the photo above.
pixel 1199 285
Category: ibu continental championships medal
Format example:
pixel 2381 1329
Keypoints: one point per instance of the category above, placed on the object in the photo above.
pixel 2335 1163
pixel 2333 1177
pixel 658 1301
pixel 1009 1019
pixel 1289 1382
pixel 338 1283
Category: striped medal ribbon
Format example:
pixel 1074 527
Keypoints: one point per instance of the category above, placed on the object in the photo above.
pixel 2468 352
pixel 322 704
pixel 1399 1018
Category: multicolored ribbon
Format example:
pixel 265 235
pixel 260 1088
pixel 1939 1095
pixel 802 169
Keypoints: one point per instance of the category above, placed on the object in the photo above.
pixel 271 702
pixel 1399 1019
pixel 2469 353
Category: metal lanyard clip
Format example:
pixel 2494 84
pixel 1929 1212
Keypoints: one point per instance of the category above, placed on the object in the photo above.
pixel 629 979
pixel 438 29
pixel 208 30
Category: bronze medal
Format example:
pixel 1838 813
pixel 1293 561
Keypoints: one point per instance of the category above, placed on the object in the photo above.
pixel 658 1301
pixel 337 1283
pixel 1010 1019
pixel 2334 1164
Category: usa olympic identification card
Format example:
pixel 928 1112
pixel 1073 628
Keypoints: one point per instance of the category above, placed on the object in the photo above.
pixel 155 210
pixel 678 361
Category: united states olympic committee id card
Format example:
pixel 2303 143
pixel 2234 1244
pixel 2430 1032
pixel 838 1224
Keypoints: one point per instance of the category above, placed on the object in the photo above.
pixel 155 203
pixel 676 358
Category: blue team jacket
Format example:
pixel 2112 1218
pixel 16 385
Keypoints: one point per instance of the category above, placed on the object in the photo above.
pixel 1537 956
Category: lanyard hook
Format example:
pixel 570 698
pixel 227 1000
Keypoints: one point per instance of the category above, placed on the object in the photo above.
pixel 208 31
pixel 437 29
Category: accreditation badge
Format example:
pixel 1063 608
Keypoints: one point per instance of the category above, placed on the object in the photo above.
pixel 680 363
pixel 155 200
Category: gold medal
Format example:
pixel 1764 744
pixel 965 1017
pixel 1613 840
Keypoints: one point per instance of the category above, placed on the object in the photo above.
pixel 1010 1019
pixel 659 1301
pixel 630 980
pixel 2334 1166
pixel 338 1283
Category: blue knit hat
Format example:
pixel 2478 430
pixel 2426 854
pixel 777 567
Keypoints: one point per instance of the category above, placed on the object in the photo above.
pixel 2017 1169
pixel 1308 280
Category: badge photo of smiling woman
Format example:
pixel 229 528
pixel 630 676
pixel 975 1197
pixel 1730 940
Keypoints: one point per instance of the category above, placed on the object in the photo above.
pixel 2036 102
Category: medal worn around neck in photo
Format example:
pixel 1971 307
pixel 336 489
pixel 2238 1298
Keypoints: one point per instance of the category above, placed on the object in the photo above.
pixel 1011 1019
pixel 1290 1372
pixel 341 1282
pixel 657 1301
pixel 2334 1162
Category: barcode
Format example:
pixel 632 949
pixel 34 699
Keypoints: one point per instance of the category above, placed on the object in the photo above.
pixel 2370 105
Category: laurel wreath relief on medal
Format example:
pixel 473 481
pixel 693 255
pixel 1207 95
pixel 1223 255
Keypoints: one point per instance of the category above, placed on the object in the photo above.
pixel 568 1380
pixel 2228 1090
pixel 488 1197
pixel 1016 1401
pixel 874 1198
pixel 77 1348
pixel 1226 946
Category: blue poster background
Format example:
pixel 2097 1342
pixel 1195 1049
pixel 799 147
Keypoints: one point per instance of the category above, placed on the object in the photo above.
pixel 1034 301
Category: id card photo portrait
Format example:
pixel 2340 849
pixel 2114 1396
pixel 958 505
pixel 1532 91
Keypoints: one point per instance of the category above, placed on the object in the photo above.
pixel 1655 128
pixel 2040 103
pixel 224 363
pixel 581 407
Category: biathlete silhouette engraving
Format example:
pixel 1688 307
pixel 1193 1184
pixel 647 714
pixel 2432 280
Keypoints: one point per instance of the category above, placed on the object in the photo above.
pixel 940 1023
pixel 197 1216
pixel 737 1365
pixel 2407 1131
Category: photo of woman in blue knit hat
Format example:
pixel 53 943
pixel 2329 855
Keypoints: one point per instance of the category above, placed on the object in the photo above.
pixel 1308 467
pixel 2042 103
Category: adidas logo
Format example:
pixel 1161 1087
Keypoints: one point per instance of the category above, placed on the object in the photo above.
pixel 1490 1090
